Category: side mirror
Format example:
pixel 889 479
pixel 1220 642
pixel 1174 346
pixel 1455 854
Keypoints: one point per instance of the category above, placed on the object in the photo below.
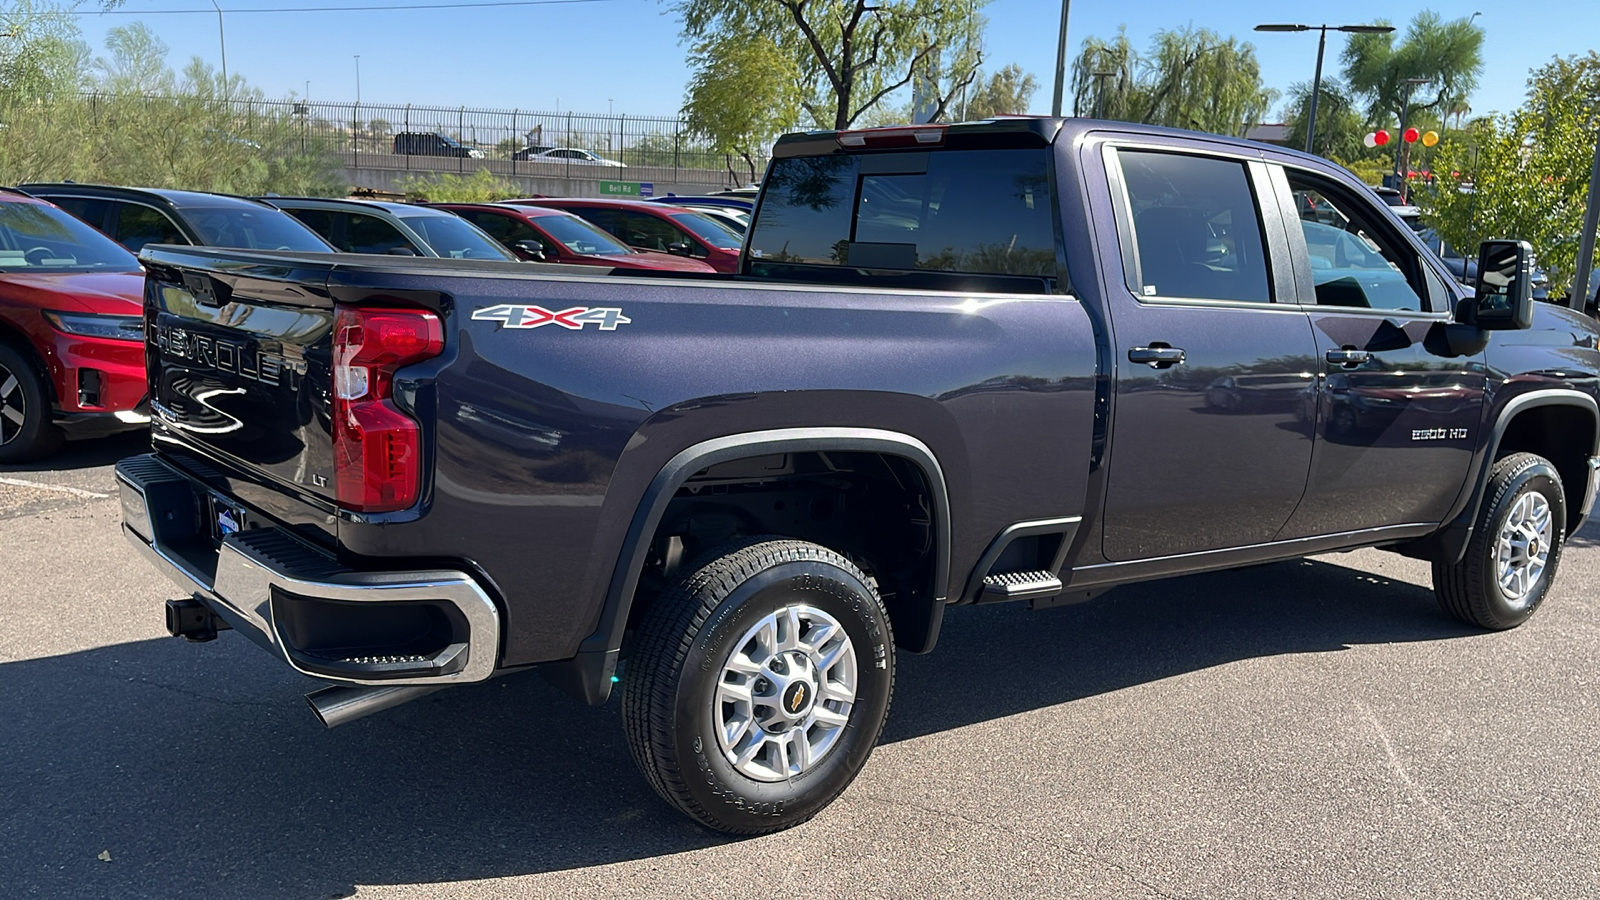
pixel 400 251
pixel 1504 286
pixel 531 250
pixel 678 248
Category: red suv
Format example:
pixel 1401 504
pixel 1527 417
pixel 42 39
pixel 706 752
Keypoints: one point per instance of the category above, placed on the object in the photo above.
pixel 71 331
pixel 552 235
pixel 658 226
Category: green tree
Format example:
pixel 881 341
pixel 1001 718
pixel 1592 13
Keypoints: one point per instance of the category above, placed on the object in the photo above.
pixel 1006 93
pixel 1528 171
pixel 1447 53
pixel 1192 78
pixel 743 93
pixel 1340 126
pixel 849 54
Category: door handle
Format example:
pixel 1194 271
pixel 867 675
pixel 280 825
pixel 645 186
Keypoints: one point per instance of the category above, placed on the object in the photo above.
pixel 1158 356
pixel 1348 357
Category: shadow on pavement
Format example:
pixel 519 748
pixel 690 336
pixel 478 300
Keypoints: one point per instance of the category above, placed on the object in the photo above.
pixel 203 775
pixel 87 454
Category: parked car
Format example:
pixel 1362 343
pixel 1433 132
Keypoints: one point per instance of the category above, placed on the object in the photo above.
pixel 748 192
pixel 398 229
pixel 134 217
pixel 432 143
pixel 737 501
pixel 657 226
pixel 551 235
pixel 71 331
pixel 575 157
pixel 733 212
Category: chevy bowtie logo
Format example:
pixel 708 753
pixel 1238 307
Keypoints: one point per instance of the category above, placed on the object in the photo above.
pixel 799 698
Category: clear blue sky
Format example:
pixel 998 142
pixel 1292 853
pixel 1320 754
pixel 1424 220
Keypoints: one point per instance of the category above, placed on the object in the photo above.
pixel 625 54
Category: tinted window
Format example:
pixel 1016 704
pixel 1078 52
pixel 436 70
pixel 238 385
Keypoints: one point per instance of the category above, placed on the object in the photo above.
pixel 1353 263
pixel 88 209
pixel 250 228
pixel 454 237
pixel 39 238
pixel 1195 227
pixel 603 218
pixel 504 229
pixel 710 230
pixel 580 236
pixel 978 211
pixel 140 225
pixel 649 232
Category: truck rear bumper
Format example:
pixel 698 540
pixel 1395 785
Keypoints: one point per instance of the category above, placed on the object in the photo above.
pixel 326 620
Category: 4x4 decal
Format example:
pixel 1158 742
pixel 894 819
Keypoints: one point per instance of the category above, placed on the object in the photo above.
pixel 512 315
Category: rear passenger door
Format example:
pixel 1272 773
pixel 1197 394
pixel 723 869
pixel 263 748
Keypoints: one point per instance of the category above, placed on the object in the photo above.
pixel 1396 417
pixel 1213 360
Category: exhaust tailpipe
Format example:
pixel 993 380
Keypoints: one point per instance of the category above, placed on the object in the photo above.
pixel 340 704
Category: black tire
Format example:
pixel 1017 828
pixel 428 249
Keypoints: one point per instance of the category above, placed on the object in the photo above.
pixel 1470 590
pixel 28 397
pixel 673 680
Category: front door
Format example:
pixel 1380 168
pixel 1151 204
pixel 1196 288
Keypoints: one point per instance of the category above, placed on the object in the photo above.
pixel 1214 358
pixel 1396 416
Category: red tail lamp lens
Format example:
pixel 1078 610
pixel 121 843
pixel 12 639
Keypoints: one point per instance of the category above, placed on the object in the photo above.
pixel 377 447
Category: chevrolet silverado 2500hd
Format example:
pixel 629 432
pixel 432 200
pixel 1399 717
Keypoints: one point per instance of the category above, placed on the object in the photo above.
pixel 1027 359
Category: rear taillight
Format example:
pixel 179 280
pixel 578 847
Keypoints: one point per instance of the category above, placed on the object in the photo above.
pixel 377 447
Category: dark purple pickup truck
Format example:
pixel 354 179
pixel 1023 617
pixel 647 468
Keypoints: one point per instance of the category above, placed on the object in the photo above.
pixel 1028 359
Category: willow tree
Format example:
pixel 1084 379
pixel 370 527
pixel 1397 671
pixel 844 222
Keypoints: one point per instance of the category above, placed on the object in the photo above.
pixel 850 55
pixel 742 94
pixel 1191 78
pixel 1340 124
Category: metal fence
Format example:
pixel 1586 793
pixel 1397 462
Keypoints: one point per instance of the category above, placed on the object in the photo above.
pixel 462 139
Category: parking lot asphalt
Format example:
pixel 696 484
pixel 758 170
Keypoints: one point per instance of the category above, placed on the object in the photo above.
pixel 1310 729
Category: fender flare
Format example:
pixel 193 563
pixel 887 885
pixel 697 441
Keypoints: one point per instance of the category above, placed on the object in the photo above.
pixel 592 669
pixel 1451 541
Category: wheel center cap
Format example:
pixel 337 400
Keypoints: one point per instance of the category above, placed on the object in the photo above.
pixel 797 698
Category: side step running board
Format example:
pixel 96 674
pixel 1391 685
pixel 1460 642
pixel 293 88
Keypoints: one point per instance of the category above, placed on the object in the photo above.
pixel 1019 586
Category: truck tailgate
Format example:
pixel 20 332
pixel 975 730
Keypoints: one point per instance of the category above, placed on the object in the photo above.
pixel 238 358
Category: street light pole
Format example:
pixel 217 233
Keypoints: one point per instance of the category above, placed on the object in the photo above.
pixel 1322 44
pixel 223 40
pixel 1402 153
pixel 1061 60
pixel 358 79
pixel 1100 92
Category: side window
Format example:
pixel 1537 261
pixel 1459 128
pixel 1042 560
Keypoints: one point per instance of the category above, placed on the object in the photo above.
pixel 651 233
pixel 604 219
pixel 318 220
pixel 1196 228
pixel 1354 263
pixel 370 234
pixel 87 209
pixel 501 228
pixel 140 225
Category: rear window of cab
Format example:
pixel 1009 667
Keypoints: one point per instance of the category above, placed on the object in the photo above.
pixel 960 211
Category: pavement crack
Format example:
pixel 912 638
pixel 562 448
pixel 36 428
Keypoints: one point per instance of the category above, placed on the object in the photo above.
pixel 1119 868
pixel 1399 770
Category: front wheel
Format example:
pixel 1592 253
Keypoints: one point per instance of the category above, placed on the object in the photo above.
pixel 1511 560
pixel 759 685
pixel 26 432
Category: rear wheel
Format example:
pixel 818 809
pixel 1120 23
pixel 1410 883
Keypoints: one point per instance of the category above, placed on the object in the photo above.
pixel 26 431
pixel 1516 545
pixel 759 685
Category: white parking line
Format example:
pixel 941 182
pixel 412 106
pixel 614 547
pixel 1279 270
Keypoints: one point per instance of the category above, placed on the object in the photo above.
pixel 76 492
